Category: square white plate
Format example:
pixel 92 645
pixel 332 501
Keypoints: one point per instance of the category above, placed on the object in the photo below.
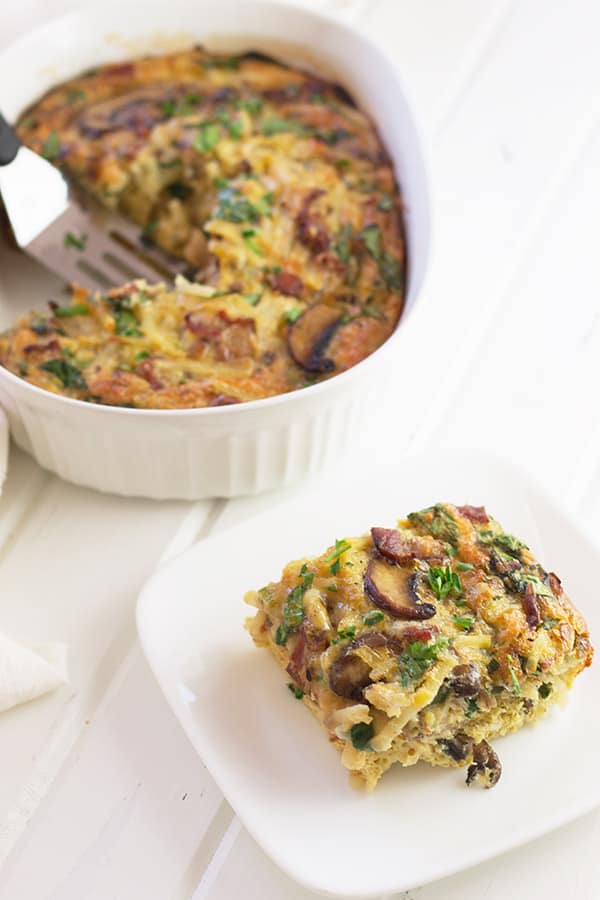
pixel 269 755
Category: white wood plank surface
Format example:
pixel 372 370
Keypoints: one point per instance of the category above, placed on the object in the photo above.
pixel 507 356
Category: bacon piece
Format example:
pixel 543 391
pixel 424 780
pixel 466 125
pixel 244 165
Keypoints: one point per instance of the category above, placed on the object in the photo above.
pixel 474 514
pixel 554 583
pixel 145 369
pixel 296 662
pixel 530 606
pixel 52 345
pixel 311 230
pixel 288 283
pixel 421 633
pixel 391 544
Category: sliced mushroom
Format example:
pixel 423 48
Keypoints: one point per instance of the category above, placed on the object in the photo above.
pixel 458 748
pixel 465 680
pixel 554 583
pixel 400 549
pixel 395 591
pixel 288 283
pixel 486 768
pixel 310 335
pixel 137 111
pixel 349 674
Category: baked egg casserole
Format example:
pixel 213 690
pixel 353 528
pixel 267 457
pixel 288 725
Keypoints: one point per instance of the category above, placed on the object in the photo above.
pixel 275 190
pixel 423 642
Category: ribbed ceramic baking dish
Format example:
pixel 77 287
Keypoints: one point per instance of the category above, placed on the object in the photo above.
pixel 263 444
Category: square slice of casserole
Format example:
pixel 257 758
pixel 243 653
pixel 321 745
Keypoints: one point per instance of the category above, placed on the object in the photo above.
pixel 423 642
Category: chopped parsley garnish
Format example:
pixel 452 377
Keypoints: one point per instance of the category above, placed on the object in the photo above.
pixel 234 207
pixel 230 62
pixel 342 242
pixel 126 323
pixel 181 108
pixel 249 234
pixel 332 588
pixel 143 354
pixel 293 611
pixel 521 578
pixel 335 556
pixel 502 541
pixel 345 634
pixel 443 581
pixel 75 95
pixel 296 691
pixel 438 522
pixel 292 315
pixel 417 657
pixel 386 203
pixel 78 309
pixel 545 690
pixel 361 734
pixel 234 127
pixel 472 708
pixel 342 164
pixel 276 125
pixel 68 374
pixel 22 368
pixel 373 617
pixel 371 238
pixel 253 105
pixel 71 240
pixel 513 677
pixel 207 137
pixel 253 299
pixel 51 146
pixel 442 695
pixel 549 623
pixel 464 567
pixel 464 622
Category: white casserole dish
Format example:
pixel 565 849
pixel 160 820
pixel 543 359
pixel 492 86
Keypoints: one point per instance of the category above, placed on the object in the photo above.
pixel 264 444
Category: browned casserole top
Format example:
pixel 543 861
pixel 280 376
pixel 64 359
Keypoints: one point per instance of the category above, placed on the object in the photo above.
pixel 273 187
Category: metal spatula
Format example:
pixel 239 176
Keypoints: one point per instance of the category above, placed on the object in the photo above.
pixel 69 234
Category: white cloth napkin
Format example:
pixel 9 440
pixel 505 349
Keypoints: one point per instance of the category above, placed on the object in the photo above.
pixel 29 672
pixel 26 672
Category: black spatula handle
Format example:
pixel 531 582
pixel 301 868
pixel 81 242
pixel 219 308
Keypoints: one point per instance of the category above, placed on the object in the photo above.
pixel 9 142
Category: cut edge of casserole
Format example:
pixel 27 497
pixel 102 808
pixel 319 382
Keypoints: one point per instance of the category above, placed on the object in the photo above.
pixel 423 642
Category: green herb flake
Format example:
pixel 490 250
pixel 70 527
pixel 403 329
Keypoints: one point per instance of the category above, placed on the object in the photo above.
pixel 68 374
pixel 417 657
pixel 71 240
pixel 441 696
pixel 332 588
pixel 276 125
pixel 464 622
pixel 443 581
pixel 471 708
pixel 335 556
pixel 361 734
pixel 386 203
pixel 51 146
pixel 545 690
pixel 233 126
pixel 373 617
pixel 143 354
pixel 345 634
pixel 78 309
pixel 253 299
pixel 230 62
pixel 22 368
pixel 464 567
pixel 75 95
pixel 249 234
pixel 342 242
pixel 549 623
pixel 296 691
pixel 292 315
pixel 513 677
pixel 253 105
pixel 207 137
pixel 293 611
pixel 438 522
pixel 371 238
pixel 342 164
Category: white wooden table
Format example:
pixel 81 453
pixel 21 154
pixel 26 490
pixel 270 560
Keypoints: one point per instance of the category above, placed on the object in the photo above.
pixel 101 796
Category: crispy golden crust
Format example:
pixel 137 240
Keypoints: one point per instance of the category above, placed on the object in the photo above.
pixel 272 186
pixel 423 642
